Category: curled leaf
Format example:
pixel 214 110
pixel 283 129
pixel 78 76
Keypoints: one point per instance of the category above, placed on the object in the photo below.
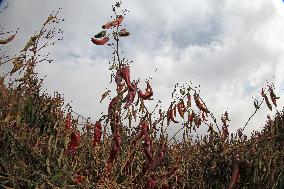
pixel 18 63
pixel 104 95
pixel 101 34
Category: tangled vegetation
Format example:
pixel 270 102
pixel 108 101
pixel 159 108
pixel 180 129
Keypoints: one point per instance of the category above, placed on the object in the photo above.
pixel 43 146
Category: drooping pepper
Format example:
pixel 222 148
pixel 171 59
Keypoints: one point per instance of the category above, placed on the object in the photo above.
pixel 113 23
pixel 130 96
pixel 102 41
pixel 124 73
pixel 148 92
pixel 97 133
pixel 199 104
pixel 68 121
pixel 74 142
pixel 181 108
pixel 123 33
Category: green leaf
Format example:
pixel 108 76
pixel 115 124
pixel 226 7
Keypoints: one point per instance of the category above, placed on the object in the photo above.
pixel 101 34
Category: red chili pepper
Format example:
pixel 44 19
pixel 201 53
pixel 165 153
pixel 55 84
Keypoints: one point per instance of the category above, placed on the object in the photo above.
pixel 74 143
pixel 148 92
pixel 235 174
pixel 147 148
pixel 191 116
pixel 123 33
pixel 203 116
pixel 181 108
pixel 130 96
pixel 102 41
pixel 199 104
pixel 150 183
pixel 144 128
pixel 116 142
pixel 112 107
pixel 68 121
pixel 188 100
pixel 79 179
pixel 197 121
pixel 113 23
pixel 158 157
pixel 273 96
pixel 124 73
pixel 170 115
pixel 97 133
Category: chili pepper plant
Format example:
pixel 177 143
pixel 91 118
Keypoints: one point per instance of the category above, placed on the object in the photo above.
pixel 43 144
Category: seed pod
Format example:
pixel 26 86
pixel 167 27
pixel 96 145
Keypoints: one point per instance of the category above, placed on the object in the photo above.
pixel 5 41
pixel 113 23
pixel 199 104
pixel 235 174
pixel 68 121
pixel 74 143
pixel 148 92
pixel 130 96
pixel 181 108
pixel 102 41
pixel 97 133
pixel 267 102
pixel 188 100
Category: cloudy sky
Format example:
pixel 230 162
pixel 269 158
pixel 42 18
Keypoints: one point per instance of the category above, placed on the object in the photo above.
pixel 230 48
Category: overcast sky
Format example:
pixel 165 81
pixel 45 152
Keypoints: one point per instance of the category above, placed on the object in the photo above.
pixel 228 47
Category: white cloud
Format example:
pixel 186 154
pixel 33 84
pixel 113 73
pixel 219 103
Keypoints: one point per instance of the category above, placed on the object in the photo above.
pixel 228 47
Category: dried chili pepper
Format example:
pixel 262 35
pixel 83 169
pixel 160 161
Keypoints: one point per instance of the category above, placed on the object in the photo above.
pixel 112 107
pixel 79 179
pixel 181 108
pixel 266 99
pixel 235 173
pixel 5 41
pixel 197 121
pixel 102 41
pixel 97 133
pixel 188 100
pixel 116 142
pixel 148 92
pixel 130 96
pixel 150 182
pixel 68 121
pixel 199 104
pixel 74 143
pixel 158 157
pixel 123 33
pixel 124 73
pixel 273 96
pixel 147 148
pixel 191 116
pixel 113 23
pixel 170 115
pixel 203 116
